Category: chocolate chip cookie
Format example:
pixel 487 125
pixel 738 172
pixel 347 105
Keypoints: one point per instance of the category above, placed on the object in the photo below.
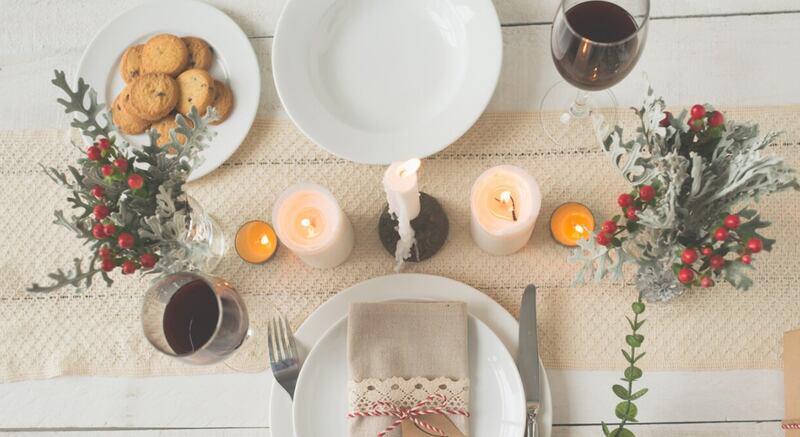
pixel 131 66
pixel 196 89
pixel 223 101
pixel 164 53
pixel 122 117
pixel 153 96
pixel 200 54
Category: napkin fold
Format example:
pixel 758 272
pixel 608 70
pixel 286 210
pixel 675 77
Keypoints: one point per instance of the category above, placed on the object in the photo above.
pixel 402 353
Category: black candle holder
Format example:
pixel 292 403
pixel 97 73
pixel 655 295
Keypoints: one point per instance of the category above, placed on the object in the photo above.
pixel 431 227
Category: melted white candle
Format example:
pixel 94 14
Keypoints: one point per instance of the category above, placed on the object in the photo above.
pixel 402 193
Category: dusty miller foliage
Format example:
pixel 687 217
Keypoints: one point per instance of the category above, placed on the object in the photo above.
pixel 161 219
pixel 702 184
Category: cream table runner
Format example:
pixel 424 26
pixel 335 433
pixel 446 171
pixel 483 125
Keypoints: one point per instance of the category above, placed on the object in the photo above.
pixel 98 332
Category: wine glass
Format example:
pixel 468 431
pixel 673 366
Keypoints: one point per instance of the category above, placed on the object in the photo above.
pixel 195 318
pixel 594 44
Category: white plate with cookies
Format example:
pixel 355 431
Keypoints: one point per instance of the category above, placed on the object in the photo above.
pixel 161 58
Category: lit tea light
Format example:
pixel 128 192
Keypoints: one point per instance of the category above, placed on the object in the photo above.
pixel 504 204
pixel 311 224
pixel 571 222
pixel 256 242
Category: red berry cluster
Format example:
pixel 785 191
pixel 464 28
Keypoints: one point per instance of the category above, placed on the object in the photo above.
pixel 699 119
pixel 118 246
pixel 699 265
pixel 631 204
pixel 113 166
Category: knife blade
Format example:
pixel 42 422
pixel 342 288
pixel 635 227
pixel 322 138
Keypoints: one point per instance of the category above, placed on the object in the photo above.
pixel 528 356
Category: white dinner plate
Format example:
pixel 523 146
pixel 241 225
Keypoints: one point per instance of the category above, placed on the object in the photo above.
pixel 234 63
pixel 497 400
pixel 406 286
pixel 377 82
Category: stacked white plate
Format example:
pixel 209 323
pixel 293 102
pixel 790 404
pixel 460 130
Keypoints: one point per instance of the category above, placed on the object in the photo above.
pixel 497 405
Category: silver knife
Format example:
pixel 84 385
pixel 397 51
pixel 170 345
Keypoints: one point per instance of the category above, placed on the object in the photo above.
pixel 528 357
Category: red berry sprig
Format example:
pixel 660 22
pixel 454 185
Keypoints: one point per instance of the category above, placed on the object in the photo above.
pixel 707 261
pixel 118 247
pixel 612 231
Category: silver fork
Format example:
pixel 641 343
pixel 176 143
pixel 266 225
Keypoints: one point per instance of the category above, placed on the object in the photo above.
pixel 283 358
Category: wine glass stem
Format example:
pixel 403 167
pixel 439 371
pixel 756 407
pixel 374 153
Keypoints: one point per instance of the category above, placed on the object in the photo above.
pixel 580 107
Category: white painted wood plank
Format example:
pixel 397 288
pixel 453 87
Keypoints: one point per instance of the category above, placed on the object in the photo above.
pixel 59 25
pixel 579 396
pixel 241 432
pixel 742 61
pixel 770 429
pixel 767 429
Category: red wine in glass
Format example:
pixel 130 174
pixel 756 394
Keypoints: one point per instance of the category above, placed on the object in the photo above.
pixel 596 45
pixel 190 318
pixel 194 317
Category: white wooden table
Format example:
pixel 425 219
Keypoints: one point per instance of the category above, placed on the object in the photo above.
pixel 730 52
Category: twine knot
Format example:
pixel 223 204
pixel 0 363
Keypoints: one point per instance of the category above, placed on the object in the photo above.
pixel 435 403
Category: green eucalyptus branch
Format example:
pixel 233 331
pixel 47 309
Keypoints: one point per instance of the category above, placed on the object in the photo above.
pixel 627 410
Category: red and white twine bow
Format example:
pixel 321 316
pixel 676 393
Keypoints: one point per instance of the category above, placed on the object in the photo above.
pixel 433 404
pixel 788 426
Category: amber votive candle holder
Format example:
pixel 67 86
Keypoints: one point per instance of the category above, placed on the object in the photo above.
pixel 571 222
pixel 256 242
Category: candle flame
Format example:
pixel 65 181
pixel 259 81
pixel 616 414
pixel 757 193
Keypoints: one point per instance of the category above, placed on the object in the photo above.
pixel 409 167
pixel 582 231
pixel 507 201
pixel 265 240
pixel 309 226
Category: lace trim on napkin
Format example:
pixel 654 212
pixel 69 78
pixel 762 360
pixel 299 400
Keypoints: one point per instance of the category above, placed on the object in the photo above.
pixel 406 392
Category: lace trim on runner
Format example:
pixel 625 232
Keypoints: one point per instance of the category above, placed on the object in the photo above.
pixel 407 392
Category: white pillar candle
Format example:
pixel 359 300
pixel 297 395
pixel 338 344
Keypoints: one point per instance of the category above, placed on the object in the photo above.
pixel 309 221
pixel 402 193
pixel 504 203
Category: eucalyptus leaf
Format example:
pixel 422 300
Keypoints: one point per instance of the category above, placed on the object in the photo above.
pixel 620 391
pixel 632 373
pixel 626 410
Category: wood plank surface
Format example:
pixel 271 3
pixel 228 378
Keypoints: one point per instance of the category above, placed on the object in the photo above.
pixel 739 62
pixel 240 400
pixel 746 55
pixel 760 429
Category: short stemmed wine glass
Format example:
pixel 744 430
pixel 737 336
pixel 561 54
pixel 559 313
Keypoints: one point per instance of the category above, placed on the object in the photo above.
pixel 594 44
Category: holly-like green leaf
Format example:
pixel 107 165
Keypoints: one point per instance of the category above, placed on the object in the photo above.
pixel 638 394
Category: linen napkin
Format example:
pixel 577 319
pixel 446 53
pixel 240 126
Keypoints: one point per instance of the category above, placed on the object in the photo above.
pixel 791 381
pixel 403 353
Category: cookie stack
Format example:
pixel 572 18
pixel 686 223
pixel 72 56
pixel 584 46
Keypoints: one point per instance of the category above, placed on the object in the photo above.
pixel 164 76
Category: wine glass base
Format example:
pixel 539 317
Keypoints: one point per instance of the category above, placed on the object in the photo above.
pixel 584 125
